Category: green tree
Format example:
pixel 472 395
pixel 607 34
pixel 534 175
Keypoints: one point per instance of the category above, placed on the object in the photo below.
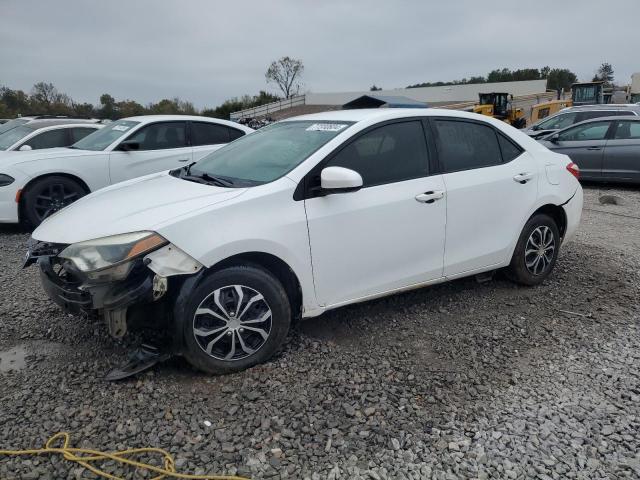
pixel 108 106
pixel 604 74
pixel 560 78
pixel 374 88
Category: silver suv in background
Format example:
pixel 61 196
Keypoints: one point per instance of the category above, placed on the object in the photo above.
pixel 35 133
pixel 572 115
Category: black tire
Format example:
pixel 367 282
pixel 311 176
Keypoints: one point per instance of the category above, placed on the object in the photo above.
pixel 253 280
pixel 60 190
pixel 520 269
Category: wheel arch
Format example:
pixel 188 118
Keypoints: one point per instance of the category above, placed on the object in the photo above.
pixel 557 213
pixel 70 176
pixel 274 265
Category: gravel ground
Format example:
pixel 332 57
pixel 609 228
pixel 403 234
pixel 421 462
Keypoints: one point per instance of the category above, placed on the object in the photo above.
pixel 463 380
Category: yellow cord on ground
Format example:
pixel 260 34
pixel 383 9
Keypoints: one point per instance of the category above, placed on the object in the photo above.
pixel 85 456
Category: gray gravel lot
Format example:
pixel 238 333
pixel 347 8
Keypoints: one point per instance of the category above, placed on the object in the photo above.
pixel 463 380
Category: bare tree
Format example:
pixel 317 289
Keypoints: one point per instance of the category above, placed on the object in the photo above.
pixel 286 73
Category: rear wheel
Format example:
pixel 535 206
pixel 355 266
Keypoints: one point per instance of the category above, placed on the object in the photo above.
pixel 236 318
pixel 536 251
pixel 48 195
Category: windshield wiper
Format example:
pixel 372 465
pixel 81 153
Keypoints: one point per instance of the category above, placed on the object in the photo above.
pixel 208 178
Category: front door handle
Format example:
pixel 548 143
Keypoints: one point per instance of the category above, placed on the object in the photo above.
pixel 523 177
pixel 183 160
pixel 594 148
pixel 430 196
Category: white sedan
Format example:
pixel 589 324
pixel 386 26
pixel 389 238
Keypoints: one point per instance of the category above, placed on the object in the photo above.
pixel 33 185
pixel 304 216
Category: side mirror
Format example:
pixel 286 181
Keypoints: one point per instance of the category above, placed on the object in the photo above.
pixel 339 180
pixel 554 138
pixel 129 145
pixel 25 148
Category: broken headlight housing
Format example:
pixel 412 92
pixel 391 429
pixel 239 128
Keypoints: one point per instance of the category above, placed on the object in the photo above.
pixel 111 258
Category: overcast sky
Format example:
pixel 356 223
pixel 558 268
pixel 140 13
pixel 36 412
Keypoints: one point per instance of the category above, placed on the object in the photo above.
pixel 207 51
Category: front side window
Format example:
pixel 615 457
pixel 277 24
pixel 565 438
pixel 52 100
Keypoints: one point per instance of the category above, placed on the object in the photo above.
pixel 161 136
pixel 269 153
pixel 557 122
pixel 49 139
pixel 388 154
pixel 627 131
pixel 101 139
pixel 13 135
pixel 589 131
pixel 466 145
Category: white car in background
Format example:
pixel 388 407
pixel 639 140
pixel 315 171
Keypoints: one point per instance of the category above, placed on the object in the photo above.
pixel 42 134
pixel 306 215
pixel 33 185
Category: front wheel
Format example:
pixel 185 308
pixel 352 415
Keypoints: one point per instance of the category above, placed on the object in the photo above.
pixel 48 195
pixel 536 251
pixel 236 318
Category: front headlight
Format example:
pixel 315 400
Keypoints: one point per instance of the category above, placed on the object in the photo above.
pixel 111 251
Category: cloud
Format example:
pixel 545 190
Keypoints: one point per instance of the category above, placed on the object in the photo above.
pixel 207 51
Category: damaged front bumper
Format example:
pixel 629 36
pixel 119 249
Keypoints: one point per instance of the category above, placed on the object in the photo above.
pixel 137 299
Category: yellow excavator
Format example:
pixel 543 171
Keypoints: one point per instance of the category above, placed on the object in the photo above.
pixel 500 105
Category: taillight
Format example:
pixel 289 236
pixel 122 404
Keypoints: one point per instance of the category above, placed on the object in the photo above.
pixel 574 170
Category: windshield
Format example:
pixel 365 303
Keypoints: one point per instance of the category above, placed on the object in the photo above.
pixel 101 139
pixel 269 153
pixel 557 122
pixel 16 122
pixel 12 136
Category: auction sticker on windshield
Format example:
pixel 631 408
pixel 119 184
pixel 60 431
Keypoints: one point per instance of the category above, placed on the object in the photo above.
pixel 121 128
pixel 326 127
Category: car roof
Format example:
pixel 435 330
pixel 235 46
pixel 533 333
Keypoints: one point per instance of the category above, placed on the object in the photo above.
pixel 161 118
pixel 605 106
pixel 37 124
pixel 358 115
pixel 629 118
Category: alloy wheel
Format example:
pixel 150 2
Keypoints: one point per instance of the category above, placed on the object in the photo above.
pixel 53 197
pixel 232 323
pixel 539 250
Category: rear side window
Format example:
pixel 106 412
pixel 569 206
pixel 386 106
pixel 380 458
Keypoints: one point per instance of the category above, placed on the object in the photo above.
pixel 161 136
pixel 466 145
pixel 509 149
pixel 208 134
pixel 78 133
pixel 388 154
pixel 50 139
pixel 627 131
pixel 562 120
pixel 590 131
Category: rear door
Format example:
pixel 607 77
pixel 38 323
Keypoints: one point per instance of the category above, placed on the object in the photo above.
pixel 162 146
pixel 58 137
pixel 622 152
pixel 585 144
pixel 208 136
pixel 491 184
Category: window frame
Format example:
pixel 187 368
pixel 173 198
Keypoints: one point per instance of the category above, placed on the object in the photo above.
pixel 117 148
pixel 307 187
pixel 496 132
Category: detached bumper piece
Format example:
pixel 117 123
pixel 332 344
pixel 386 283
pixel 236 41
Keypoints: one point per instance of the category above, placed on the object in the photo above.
pixel 145 357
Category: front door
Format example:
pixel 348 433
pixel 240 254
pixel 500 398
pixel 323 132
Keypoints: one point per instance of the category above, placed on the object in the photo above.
pixel 390 233
pixel 585 144
pixel 162 146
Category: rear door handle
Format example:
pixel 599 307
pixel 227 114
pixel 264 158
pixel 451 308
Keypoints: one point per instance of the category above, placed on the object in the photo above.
pixel 183 160
pixel 430 196
pixel 523 177
pixel 594 148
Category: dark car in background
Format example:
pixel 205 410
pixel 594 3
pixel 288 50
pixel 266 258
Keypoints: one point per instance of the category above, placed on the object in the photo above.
pixel 572 115
pixel 605 149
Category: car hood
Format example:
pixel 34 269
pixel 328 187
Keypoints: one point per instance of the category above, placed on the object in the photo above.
pixel 139 204
pixel 15 157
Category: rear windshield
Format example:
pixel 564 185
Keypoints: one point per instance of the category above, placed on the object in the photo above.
pixel 16 122
pixel 101 139
pixel 271 152
pixel 14 135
